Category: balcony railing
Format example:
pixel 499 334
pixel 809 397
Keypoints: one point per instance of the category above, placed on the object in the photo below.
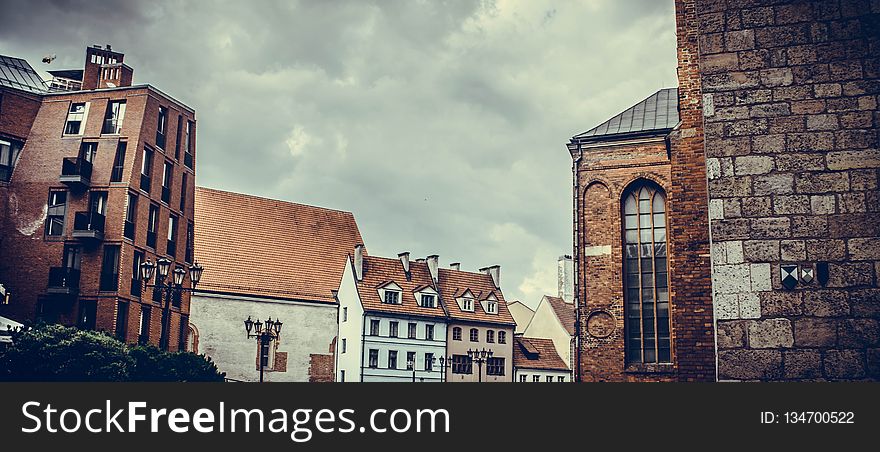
pixel 76 171
pixel 128 230
pixel 63 281
pixel 88 225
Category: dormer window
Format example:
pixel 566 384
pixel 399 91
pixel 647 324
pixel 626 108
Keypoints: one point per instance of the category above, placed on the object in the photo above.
pixel 428 301
pixel 392 297
pixel 492 307
pixel 467 304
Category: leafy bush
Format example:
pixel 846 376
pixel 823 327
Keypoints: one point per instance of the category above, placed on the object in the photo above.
pixel 59 353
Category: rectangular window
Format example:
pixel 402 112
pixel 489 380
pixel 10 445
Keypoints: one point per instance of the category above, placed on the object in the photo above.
pixel 88 150
pixel 88 311
pixel 429 332
pixel 427 301
pixel 475 335
pixel 9 152
pixel 55 213
pixel 172 236
pixel 462 364
pixel 343 345
pixel 110 269
pixel 392 329
pixel 392 297
pixel 392 359
pixel 161 127
pixel 130 216
pixel 411 331
pixel 121 320
pixel 429 362
pixel 495 366
pixel 374 327
pixel 167 178
pixel 76 118
pixel 410 360
pixel 113 117
pixel 345 314
pixel 492 307
pixel 137 260
pixel 456 334
pixel 342 376
pixel 183 183
pixel 522 378
pixel 502 337
pixel 152 226
pixel 467 304
pixel 190 239
pixel 549 379
pixel 188 151
pixel 144 327
pixel 490 336
pixel 183 332
pixel 118 162
pixel 374 358
pixel 177 141
pixel 536 378
pixel 146 169
pixel 560 379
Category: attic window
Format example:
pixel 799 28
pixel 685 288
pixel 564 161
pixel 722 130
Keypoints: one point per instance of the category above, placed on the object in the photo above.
pixel 391 297
pixel 428 301
pixel 467 304
pixel 492 307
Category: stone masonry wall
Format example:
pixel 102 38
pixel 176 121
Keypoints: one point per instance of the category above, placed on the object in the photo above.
pixel 790 92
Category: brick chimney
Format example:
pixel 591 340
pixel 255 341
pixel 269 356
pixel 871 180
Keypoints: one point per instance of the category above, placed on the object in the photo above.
pixel 433 263
pixel 495 272
pixel 565 278
pixel 359 261
pixel 104 69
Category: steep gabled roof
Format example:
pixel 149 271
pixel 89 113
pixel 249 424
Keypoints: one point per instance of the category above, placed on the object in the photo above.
pixel 454 283
pixel 264 247
pixel 379 272
pixel 658 113
pixel 564 312
pixel 535 353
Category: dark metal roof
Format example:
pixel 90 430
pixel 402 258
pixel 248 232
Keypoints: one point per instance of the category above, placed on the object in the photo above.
pixel 17 73
pixel 659 112
pixel 72 74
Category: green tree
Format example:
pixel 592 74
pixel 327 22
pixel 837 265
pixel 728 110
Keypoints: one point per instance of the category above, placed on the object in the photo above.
pixel 59 353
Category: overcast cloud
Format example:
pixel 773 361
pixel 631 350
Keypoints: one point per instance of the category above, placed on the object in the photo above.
pixel 441 125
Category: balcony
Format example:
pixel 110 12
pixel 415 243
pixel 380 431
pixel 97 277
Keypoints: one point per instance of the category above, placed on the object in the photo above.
pixel 63 281
pixel 76 172
pixel 88 226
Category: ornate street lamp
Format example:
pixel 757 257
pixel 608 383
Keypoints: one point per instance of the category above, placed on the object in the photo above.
pixel 264 337
pixel 168 289
pixel 479 357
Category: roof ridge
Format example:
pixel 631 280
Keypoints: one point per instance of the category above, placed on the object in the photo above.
pixel 593 132
pixel 264 198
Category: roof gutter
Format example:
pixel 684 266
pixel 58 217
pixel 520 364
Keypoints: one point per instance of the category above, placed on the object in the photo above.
pixel 576 252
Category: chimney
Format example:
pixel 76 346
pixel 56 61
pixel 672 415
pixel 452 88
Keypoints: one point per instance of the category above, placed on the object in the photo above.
pixel 359 261
pixel 421 260
pixel 104 69
pixel 455 265
pixel 565 278
pixel 495 272
pixel 404 259
pixel 433 261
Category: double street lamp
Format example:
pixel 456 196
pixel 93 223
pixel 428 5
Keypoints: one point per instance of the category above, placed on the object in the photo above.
pixel 444 361
pixel 479 357
pixel 168 289
pixel 265 335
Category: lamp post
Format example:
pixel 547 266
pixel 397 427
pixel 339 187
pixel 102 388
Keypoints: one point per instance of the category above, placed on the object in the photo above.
pixel 411 365
pixel 264 337
pixel 168 289
pixel 444 363
pixel 479 357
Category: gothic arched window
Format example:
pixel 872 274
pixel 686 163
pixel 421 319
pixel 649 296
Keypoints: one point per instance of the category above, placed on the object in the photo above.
pixel 646 287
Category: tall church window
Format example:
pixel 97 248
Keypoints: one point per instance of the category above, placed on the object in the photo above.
pixel 646 277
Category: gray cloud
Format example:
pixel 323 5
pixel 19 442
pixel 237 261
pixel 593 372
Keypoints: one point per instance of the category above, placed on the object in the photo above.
pixel 441 125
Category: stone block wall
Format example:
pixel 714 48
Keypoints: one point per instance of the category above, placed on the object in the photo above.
pixel 790 93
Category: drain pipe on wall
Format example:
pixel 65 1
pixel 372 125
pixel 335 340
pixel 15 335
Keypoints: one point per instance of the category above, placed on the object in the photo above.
pixel 576 252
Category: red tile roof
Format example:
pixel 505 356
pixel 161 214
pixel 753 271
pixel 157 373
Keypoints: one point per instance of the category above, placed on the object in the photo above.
pixel 265 247
pixel 564 312
pixel 381 271
pixel 455 282
pixel 534 353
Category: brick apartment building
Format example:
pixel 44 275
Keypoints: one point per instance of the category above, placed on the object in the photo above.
pixel 96 176
pixel 769 147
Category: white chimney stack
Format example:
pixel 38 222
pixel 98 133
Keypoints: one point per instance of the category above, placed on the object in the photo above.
pixel 565 278
pixel 433 262
pixel 495 272
pixel 455 265
pixel 404 259
pixel 359 261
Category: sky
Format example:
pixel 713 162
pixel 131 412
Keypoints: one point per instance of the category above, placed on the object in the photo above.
pixel 440 124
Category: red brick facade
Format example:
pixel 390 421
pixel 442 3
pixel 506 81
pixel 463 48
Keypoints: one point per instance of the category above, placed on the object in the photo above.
pixel 27 252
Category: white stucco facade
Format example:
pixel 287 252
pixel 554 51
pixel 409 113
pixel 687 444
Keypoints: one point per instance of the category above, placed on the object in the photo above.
pixel 529 376
pixel 546 324
pixel 218 321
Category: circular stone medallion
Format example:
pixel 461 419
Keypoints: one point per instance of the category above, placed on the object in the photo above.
pixel 600 324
